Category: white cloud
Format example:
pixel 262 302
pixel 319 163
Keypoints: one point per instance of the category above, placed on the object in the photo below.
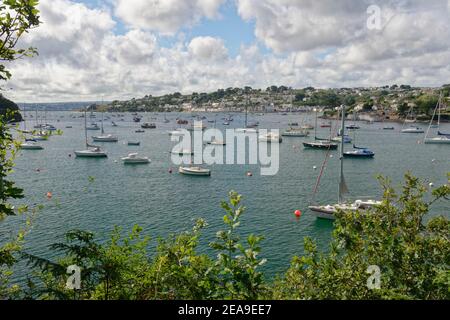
pixel 166 16
pixel 208 48
pixel 82 58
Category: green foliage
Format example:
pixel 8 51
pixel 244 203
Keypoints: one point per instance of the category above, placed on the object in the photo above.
pixel 16 18
pixel 10 192
pixel 414 256
pixel 426 104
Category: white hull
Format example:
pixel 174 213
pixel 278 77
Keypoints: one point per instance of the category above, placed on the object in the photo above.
pixel 437 141
pixel 29 146
pixel 194 171
pixel 413 131
pixel 296 133
pixel 105 139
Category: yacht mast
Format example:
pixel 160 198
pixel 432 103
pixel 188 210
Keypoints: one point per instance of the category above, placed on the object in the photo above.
pixel 342 185
pixel 85 126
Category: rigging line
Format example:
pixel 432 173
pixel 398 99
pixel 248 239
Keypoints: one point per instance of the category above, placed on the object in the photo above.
pixel 319 178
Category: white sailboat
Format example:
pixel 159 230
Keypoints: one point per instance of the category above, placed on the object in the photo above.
pixel 193 170
pixel 103 137
pixel 248 128
pixel 328 211
pixel 411 129
pixel 91 151
pixel 440 138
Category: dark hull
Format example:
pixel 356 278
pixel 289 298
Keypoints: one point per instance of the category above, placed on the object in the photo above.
pixel 320 146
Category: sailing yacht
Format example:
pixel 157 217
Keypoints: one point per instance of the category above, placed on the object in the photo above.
pixel 328 211
pixel 103 137
pixel 440 138
pixel 249 128
pixel 91 151
pixel 320 144
pixel 411 129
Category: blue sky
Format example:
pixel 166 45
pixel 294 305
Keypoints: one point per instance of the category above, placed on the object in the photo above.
pixel 230 27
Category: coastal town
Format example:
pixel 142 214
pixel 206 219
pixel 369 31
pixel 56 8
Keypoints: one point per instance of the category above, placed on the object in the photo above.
pixel 372 104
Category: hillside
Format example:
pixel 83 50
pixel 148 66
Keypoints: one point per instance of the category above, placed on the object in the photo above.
pixel 6 104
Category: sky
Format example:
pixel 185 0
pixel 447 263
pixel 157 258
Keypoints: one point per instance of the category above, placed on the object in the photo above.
pixel 120 49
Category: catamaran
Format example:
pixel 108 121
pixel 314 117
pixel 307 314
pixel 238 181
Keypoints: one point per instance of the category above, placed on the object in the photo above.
pixel 329 211
pixel 440 138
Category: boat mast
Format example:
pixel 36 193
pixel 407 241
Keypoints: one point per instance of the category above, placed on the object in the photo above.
pixel 342 185
pixel 438 107
pixel 85 126
pixel 246 112
pixel 315 125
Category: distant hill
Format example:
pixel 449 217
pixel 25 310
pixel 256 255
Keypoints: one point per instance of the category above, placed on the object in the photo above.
pixel 56 106
pixel 6 104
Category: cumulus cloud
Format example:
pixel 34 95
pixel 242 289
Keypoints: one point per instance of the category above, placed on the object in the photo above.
pixel 208 48
pixel 166 16
pixel 321 44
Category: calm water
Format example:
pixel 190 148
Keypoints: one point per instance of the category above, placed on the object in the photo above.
pixel 164 203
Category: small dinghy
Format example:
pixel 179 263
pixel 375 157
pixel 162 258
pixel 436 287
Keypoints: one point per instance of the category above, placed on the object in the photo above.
pixel 134 143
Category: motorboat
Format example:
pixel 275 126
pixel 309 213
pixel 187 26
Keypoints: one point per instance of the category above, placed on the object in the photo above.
pixel 148 126
pixel 105 138
pixel 133 158
pixel 271 138
pixel 295 133
pixel 413 130
pixel 30 146
pixel 195 171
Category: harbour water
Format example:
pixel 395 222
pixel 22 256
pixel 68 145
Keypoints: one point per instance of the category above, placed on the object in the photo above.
pixel 97 194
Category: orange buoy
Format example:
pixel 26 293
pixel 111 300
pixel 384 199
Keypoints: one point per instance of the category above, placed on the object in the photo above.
pixel 298 213
pixel 49 195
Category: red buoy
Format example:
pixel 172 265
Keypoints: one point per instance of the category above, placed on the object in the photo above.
pixel 298 213
pixel 49 195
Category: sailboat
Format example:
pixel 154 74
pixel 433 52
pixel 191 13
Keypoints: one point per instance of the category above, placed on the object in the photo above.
pixel 295 132
pixel 328 211
pixel 440 138
pixel 318 143
pixel 216 142
pixel 249 128
pixel 91 151
pixel 411 129
pixel 193 170
pixel 103 137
